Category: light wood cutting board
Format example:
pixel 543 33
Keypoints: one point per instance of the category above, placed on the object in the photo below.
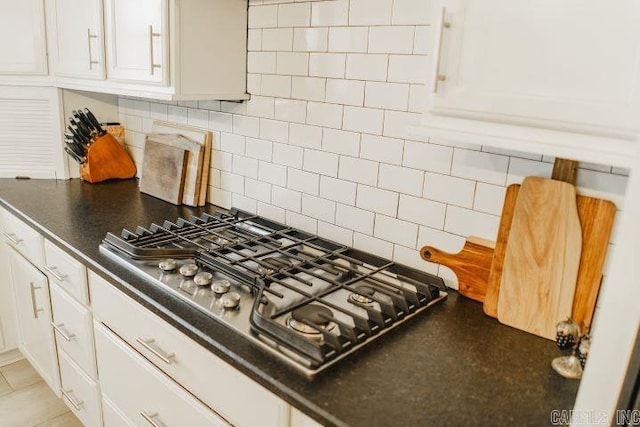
pixel 163 171
pixel 542 257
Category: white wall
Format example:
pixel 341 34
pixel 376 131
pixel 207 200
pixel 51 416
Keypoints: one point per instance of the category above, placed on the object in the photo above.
pixel 323 143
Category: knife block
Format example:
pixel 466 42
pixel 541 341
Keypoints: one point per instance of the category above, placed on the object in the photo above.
pixel 106 159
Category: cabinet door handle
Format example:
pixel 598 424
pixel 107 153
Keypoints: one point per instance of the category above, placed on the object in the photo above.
pixel 443 24
pixel 11 237
pixel 89 37
pixel 36 310
pixel 151 36
pixel 166 358
pixel 63 334
pixel 55 275
pixel 67 394
pixel 149 418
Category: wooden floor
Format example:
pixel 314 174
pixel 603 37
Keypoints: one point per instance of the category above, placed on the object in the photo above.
pixel 27 401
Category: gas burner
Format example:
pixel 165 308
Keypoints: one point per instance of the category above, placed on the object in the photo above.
pixel 222 241
pixel 275 264
pixel 314 314
pixel 230 300
pixel 168 265
pixel 188 270
pixel 203 278
pixel 221 286
pixel 368 291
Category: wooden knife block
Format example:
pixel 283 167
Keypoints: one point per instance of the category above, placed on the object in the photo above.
pixel 106 159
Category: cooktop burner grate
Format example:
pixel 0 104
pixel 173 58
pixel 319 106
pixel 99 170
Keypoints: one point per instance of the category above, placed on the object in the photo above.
pixel 358 295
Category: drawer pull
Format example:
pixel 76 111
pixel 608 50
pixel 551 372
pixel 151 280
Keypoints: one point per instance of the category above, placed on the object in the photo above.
pixel 149 418
pixel 89 37
pixel 439 77
pixel 67 394
pixel 151 59
pixel 51 271
pixel 58 329
pixel 166 358
pixel 11 237
pixel 34 305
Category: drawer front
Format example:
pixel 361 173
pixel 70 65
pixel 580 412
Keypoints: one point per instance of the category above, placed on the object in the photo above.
pixel 23 238
pixel 80 393
pixel 66 272
pixel 73 329
pixel 183 359
pixel 143 393
pixel 112 416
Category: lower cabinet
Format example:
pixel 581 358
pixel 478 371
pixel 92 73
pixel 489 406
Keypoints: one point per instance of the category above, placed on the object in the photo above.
pixel 33 307
pixel 80 393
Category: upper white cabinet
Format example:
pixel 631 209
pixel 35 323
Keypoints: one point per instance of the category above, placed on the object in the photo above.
pixel 138 36
pixel 551 77
pixel 78 38
pixel 23 49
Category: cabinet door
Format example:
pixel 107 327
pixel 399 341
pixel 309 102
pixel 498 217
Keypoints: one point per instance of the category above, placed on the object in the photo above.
pixel 569 65
pixel 33 307
pixel 23 49
pixel 79 38
pixel 137 40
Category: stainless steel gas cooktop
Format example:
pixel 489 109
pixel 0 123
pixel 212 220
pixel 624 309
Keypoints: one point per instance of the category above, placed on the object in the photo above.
pixel 305 299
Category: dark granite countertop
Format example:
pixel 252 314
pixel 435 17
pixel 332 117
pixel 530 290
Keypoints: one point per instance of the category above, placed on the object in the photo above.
pixel 451 365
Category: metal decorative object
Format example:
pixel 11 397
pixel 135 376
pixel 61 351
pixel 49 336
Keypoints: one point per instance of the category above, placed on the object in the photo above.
pixel 569 337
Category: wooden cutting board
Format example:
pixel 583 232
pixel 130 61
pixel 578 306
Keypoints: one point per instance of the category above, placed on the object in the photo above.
pixel 542 257
pixel 471 265
pixel 163 171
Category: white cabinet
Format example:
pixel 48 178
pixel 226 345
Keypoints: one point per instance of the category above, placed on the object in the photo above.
pixel 538 75
pixel 31 291
pixel 138 39
pixel 23 49
pixel 78 38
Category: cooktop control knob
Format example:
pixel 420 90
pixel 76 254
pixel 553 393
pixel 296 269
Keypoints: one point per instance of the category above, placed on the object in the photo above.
pixel 168 264
pixel 203 279
pixel 189 270
pixel 230 300
pixel 220 287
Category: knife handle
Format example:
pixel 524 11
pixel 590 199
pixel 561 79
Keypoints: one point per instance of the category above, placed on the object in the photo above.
pixel 94 122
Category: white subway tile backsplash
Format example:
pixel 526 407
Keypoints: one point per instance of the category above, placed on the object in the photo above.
pixel 422 41
pixel 346 92
pixel 440 239
pixel 246 125
pixel 232 182
pixel 274 174
pixel 277 39
pixel 323 114
pixel 449 189
pixel 341 142
pixel 394 39
pixel 397 123
pixel 274 130
pixel 338 190
pixel 245 166
pixel 367 67
pixel 294 15
pixel 158 111
pixel 234 107
pixel 286 199
pixel 219 197
pixel 521 168
pixel 260 106
pixel 214 177
pixel 257 190
pixel 402 180
pixel 485 167
pixel 254 86
pixel 410 257
pixel 211 104
pixel 335 233
pixel 244 203
pixel 393 96
pixel 288 155
pixel 396 231
pixel 291 110
pixel 278 86
pixel 412 12
pixel 198 118
pixel 305 182
pixel 428 157
pixel 417 98
pixel 305 223
pixel 327 64
pixel 274 213
pixel 308 88
pixel 261 62
pixel 259 149
pixel 220 121
pixel 511 153
pixel 358 170
pixel 377 200
pixel 305 136
pixel 174 114
pixel 422 211
pixel 382 149
pixel 408 68
pixel 366 120
pixel 348 39
pixel 232 143
pixel 310 39
pixel 318 207
pixel 489 198
pixel 263 16
pixel 375 246
pixel 254 39
pixel 602 185
pixel 465 222
pixel 370 12
pixel 329 13
pixel 293 63
pixel 320 162
pixel 221 160
pixel 355 219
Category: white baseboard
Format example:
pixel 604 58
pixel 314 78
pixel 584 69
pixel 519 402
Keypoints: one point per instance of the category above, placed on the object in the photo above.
pixel 10 356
